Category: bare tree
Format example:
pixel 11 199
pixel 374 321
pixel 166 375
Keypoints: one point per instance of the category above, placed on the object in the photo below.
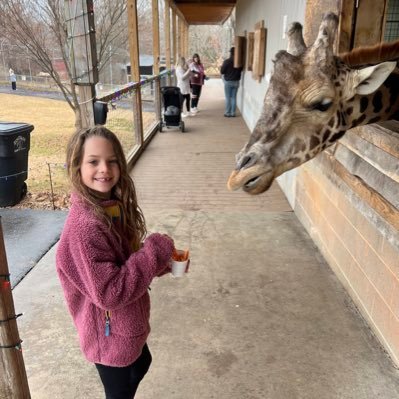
pixel 38 28
pixel 211 42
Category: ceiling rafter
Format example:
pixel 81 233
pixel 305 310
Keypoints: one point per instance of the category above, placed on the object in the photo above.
pixel 205 12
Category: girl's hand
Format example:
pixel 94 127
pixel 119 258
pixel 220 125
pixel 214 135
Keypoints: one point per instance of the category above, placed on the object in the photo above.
pixel 168 269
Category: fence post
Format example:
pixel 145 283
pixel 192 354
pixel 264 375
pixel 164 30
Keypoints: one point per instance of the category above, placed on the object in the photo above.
pixel 135 69
pixel 158 101
pixel 13 379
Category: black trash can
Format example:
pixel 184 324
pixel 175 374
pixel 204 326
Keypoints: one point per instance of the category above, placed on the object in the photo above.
pixel 14 149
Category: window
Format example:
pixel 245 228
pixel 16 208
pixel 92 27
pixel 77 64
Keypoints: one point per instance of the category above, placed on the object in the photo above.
pixel 391 31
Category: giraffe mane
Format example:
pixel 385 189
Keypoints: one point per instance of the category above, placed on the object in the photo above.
pixel 370 55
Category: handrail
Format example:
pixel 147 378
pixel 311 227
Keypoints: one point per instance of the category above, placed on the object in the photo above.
pixel 133 86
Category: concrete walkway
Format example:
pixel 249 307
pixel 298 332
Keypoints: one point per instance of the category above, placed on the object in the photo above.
pixel 259 316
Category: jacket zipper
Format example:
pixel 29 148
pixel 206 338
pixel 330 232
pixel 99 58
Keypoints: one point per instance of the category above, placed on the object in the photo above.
pixel 107 323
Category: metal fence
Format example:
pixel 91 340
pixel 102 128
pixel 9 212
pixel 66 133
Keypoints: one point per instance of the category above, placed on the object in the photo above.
pixel 35 83
pixel 121 117
pixel 48 183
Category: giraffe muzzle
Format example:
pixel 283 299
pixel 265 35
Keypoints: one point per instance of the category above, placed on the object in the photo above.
pixel 253 180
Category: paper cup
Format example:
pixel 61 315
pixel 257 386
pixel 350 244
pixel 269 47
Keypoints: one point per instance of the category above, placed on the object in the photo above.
pixel 179 267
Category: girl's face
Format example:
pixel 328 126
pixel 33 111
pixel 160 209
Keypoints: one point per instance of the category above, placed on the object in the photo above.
pixel 99 169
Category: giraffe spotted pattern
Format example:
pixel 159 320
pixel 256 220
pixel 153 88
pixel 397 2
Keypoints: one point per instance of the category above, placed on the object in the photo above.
pixel 312 99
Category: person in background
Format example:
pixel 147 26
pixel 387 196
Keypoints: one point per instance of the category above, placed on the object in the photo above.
pixel 183 83
pixel 231 79
pixel 106 265
pixel 196 81
pixel 13 79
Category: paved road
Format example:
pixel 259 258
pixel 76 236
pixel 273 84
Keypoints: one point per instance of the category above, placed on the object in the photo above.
pixel 32 93
pixel 28 235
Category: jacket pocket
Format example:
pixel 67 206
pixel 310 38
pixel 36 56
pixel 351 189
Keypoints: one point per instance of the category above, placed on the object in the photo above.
pixel 132 320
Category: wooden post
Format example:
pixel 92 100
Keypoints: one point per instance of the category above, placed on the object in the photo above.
pixel 156 53
pixel 182 51
pixel 155 36
pixel 86 101
pixel 174 37
pixel 183 40
pixel 13 380
pixel 79 16
pixel 167 37
pixel 178 39
pixel 186 31
pixel 135 68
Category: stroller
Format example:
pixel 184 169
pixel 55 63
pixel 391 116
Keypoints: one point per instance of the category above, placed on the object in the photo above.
pixel 171 108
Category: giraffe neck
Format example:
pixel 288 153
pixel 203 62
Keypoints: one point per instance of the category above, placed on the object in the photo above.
pixel 381 105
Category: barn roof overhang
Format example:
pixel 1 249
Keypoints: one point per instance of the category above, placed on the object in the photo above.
pixel 205 12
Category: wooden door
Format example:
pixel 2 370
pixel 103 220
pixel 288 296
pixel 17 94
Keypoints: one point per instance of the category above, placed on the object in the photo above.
pixel 368 22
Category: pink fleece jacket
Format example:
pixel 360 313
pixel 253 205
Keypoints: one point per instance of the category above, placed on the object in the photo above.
pixel 99 274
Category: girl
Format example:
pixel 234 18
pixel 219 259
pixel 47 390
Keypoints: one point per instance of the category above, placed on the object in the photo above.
pixel 196 81
pixel 104 268
pixel 183 83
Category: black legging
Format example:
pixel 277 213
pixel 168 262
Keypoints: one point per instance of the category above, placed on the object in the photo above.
pixel 122 382
pixel 196 90
pixel 186 98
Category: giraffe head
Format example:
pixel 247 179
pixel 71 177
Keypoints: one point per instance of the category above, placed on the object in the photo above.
pixel 312 99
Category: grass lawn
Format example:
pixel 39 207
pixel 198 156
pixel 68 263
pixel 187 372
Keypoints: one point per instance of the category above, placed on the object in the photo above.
pixel 53 122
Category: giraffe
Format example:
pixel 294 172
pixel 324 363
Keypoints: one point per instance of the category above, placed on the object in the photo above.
pixel 313 98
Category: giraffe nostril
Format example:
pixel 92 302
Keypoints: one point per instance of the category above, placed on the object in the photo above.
pixel 246 161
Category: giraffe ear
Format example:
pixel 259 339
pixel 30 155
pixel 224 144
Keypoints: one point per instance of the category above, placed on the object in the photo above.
pixel 371 78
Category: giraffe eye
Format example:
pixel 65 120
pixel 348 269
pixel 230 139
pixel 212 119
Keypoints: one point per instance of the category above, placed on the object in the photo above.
pixel 322 106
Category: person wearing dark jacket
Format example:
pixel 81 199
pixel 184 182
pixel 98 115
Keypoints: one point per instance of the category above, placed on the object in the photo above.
pixel 231 78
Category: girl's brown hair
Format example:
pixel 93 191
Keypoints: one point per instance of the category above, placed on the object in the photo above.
pixel 183 63
pixel 196 55
pixel 134 228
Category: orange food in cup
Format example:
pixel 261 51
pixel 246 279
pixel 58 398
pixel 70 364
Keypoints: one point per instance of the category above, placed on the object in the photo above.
pixel 180 256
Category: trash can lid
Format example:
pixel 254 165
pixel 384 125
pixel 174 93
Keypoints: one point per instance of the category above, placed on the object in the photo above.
pixel 8 128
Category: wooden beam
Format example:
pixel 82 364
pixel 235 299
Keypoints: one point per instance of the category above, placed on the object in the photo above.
pixel 186 36
pixel 346 25
pixel 177 11
pixel 133 39
pixel 86 101
pixel 167 34
pixel 382 136
pixel 365 33
pixel 135 68
pixel 180 37
pixel 155 36
pixel 156 53
pixel 205 13
pixel 13 380
pixel 174 37
pixel 366 193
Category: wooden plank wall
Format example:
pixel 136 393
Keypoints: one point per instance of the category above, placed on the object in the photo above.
pixel 348 200
pixel 348 197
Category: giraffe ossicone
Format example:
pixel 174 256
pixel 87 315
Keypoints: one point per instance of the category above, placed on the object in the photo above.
pixel 312 99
